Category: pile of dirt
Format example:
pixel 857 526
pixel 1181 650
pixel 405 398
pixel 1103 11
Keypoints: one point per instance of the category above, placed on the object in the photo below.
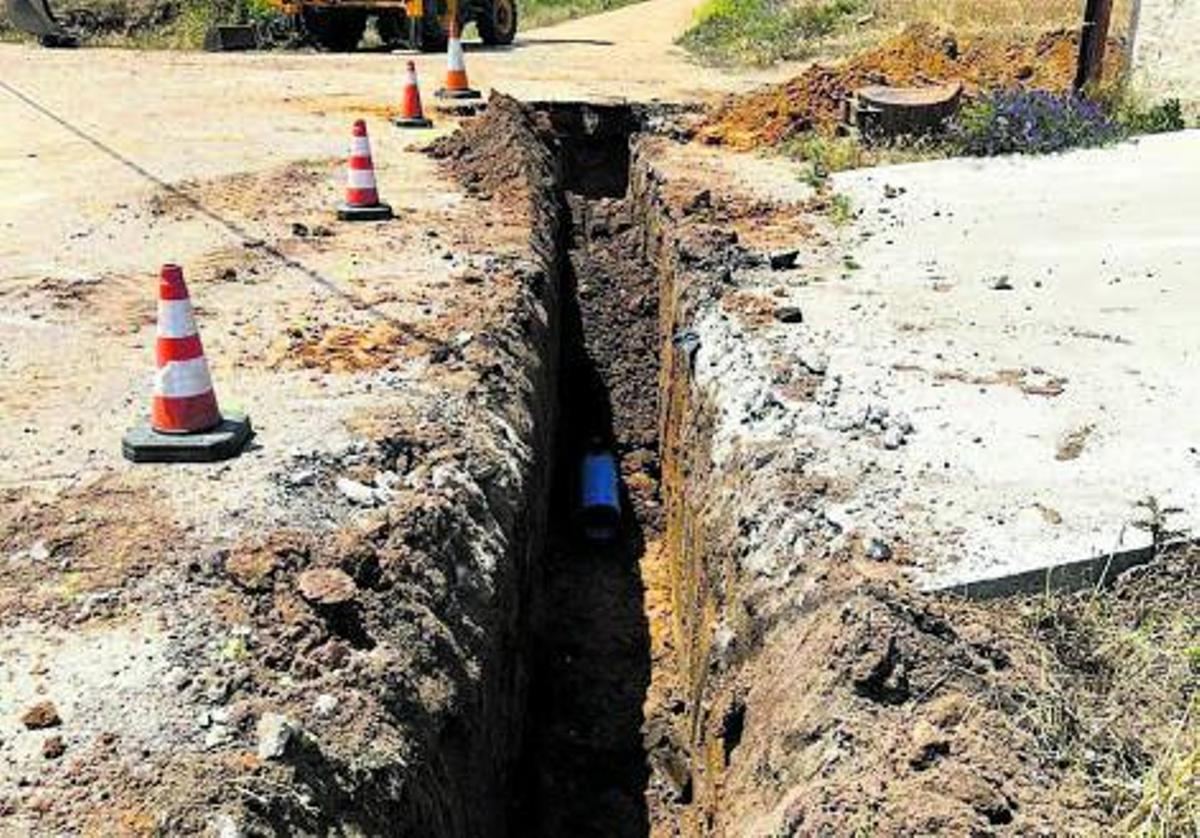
pixel 341 348
pixel 498 155
pixel 920 715
pixel 51 548
pixel 920 55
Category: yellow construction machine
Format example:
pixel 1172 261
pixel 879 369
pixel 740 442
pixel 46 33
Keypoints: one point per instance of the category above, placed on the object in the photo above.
pixel 336 25
pixel 421 24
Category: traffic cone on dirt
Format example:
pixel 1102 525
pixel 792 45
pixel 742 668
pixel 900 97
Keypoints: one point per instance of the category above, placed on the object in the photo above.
pixel 362 196
pixel 184 401
pixel 411 115
pixel 186 424
pixel 457 86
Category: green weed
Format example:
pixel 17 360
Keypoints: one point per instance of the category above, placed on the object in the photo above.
pixel 828 154
pixel 1155 519
pixel 1139 118
pixel 841 213
pixel 761 32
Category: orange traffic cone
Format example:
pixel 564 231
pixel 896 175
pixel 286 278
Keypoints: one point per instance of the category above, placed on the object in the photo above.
pixel 184 401
pixel 185 423
pixel 456 71
pixel 362 196
pixel 411 115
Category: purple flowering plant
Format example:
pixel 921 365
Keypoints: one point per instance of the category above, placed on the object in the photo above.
pixel 1030 122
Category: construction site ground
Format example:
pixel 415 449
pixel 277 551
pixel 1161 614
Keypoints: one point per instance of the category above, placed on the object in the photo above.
pixel 982 370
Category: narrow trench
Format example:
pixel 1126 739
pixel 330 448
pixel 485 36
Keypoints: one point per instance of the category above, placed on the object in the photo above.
pixel 584 771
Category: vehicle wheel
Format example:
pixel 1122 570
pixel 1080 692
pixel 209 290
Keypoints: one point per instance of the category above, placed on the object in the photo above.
pixel 429 36
pixel 392 28
pixel 335 30
pixel 497 23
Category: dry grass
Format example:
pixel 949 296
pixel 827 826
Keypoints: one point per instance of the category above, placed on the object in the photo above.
pixel 765 31
pixel 1119 704
pixel 995 17
pixel 984 15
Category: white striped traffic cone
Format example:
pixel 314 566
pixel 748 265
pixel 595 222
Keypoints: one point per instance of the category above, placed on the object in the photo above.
pixel 411 113
pixel 362 195
pixel 186 426
pixel 457 86
pixel 184 401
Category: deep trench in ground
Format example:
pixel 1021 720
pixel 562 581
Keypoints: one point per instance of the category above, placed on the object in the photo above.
pixel 583 771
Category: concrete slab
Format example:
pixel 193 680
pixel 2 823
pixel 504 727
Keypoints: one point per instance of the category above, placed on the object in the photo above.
pixel 1004 350
pixel 1034 319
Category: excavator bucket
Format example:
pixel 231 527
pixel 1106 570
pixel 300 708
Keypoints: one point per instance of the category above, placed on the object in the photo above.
pixel 35 17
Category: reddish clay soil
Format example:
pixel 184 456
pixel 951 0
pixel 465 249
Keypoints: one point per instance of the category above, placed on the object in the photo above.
pixel 920 55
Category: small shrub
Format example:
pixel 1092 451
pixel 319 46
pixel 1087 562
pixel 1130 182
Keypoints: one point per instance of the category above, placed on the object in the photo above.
pixel 1030 122
pixel 1156 119
pixel 828 154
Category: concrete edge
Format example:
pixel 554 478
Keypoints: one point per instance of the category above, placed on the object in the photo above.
pixel 1095 572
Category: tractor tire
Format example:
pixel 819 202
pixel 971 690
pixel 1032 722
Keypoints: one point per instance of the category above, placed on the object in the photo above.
pixel 497 23
pixel 393 29
pixel 334 30
pixel 428 35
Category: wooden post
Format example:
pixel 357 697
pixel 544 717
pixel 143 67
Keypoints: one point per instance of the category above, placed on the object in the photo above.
pixel 1096 17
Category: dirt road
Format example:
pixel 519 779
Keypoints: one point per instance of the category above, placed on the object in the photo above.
pixel 199 115
pixel 75 156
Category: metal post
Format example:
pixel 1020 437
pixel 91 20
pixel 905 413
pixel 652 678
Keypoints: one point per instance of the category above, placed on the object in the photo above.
pixel 1096 17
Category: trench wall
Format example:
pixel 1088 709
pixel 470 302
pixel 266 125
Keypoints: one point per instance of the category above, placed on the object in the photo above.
pixel 696 521
pixel 450 572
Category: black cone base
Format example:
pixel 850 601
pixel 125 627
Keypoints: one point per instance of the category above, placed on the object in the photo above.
pixel 468 93
pixel 143 444
pixel 379 212
pixel 411 122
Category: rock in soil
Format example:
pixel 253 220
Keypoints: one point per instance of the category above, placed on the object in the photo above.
pixel 53 747
pixel 41 716
pixel 789 314
pixel 275 731
pixel 327 586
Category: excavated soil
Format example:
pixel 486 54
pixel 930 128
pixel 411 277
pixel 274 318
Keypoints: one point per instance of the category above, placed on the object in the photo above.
pixel 323 635
pixel 891 713
pixel 677 691
pixel 918 56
